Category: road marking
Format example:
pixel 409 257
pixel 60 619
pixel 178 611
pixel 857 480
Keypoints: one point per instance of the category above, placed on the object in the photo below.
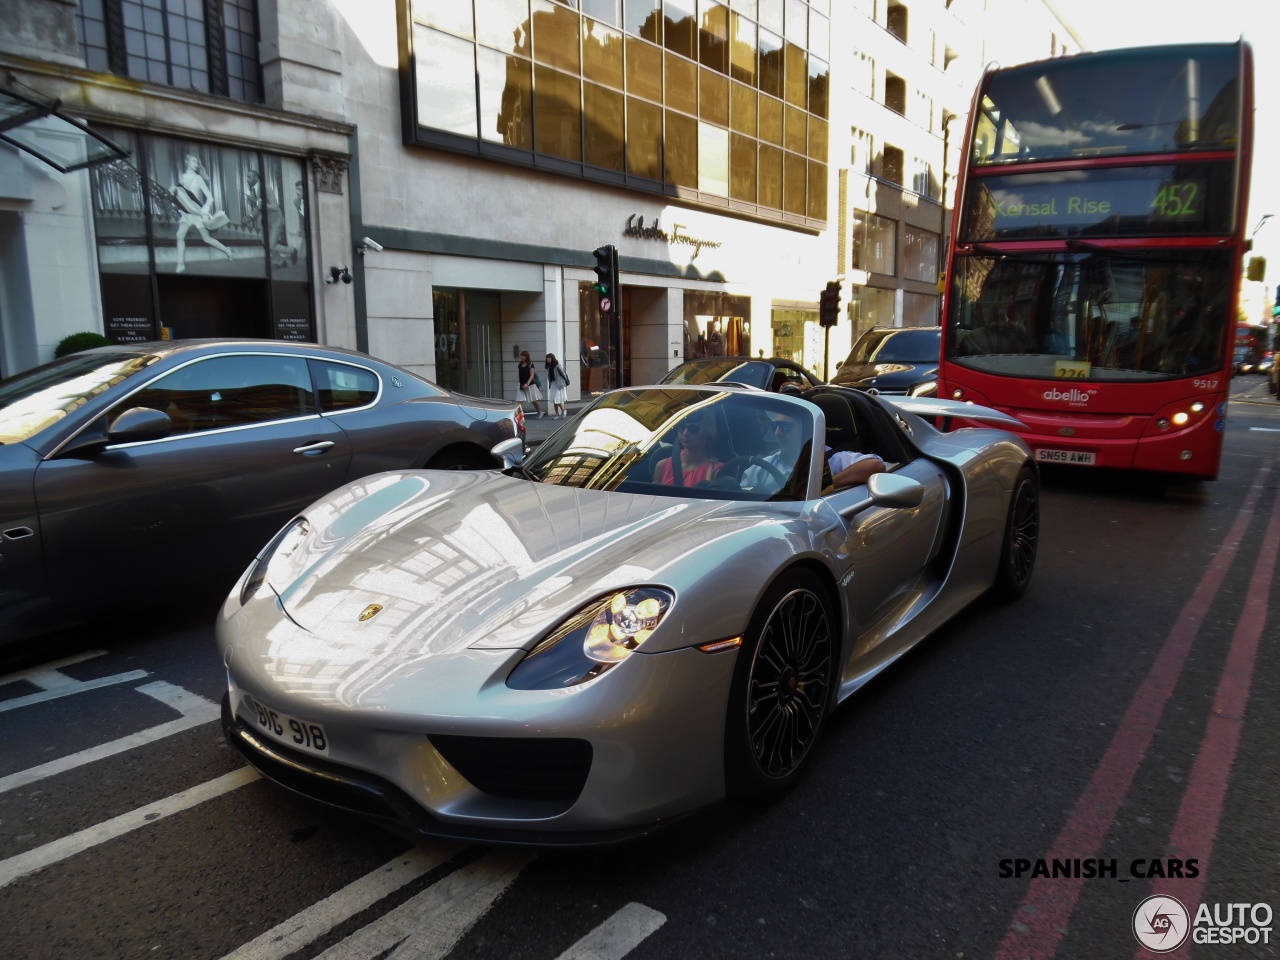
pixel 427 926
pixel 60 685
pixel 51 665
pixel 27 863
pixel 311 924
pixel 195 710
pixel 618 935
pixel 1200 810
pixel 1266 429
pixel 1041 919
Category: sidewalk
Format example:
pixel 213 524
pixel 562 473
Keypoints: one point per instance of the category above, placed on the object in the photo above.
pixel 538 430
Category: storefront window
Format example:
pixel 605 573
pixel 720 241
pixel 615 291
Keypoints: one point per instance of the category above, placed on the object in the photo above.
pixel 919 310
pixel 716 325
pixel 597 342
pixel 795 334
pixel 875 241
pixel 870 307
pixel 919 254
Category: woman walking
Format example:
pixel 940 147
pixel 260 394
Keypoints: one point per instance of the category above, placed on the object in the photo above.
pixel 528 377
pixel 557 386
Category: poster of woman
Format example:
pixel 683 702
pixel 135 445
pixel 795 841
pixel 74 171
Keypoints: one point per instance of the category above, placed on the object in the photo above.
pixel 207 224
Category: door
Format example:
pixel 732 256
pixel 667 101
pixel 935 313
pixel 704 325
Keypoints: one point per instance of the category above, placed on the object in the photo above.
pixel 483 313
pixel 247 452
pixel 23 586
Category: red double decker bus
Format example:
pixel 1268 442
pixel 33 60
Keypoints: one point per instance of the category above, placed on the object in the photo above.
pixel 1095 257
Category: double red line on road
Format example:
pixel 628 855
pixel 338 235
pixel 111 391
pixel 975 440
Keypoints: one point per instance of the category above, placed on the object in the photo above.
pixel 1041 920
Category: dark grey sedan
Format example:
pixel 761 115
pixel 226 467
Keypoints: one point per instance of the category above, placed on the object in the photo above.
pixel 150 470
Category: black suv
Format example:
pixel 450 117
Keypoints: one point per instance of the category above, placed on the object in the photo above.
pixel 894 360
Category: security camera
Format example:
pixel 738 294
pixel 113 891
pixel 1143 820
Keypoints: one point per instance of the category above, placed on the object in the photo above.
pixel 372 244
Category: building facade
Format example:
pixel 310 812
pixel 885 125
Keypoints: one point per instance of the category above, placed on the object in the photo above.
pixel 425 180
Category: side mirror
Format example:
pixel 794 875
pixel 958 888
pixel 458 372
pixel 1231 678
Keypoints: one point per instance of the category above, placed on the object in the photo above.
pixel 510 452
pixel 888 490
pixel 139 423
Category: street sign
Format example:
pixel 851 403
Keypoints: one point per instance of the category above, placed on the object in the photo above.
pixel 606 305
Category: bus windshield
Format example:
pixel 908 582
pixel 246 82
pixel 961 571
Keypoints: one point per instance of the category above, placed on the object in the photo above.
pixel 1155 100
pixel 1095 316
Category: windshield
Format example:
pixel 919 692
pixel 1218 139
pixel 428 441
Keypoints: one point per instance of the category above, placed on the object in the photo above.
pixel 1092 317
pixel 1156 100
pixel 754 373
pixel 39 398
pixel 897 346
pixel 727 445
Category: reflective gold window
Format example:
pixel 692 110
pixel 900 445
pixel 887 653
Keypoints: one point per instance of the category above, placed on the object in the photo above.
pixel 771 15
pixel 680 27
pixel 713 37
pixel 644 70
pixel 682 83
pixel 503 25
pixel 558 118
pixel 742 168
pixel 795 130
pixel 603 119
pixel 770 177
pixel 506 99
pixel 446 14
pixel 742 110
pixel 644 139
pixel 555 35
pixel 797 76
pixel 794 199
pixel 713 98
pixel 817 191
pixel 819 82
pixel 770 64
pixel 643 18
pixel 817 139
pixel 742 49
pixel 771 120
pixel 601 53
pixel 446 82
pixel 681 153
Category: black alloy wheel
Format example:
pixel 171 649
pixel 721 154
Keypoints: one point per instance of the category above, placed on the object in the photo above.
pixel 1021 537
pixel 782 688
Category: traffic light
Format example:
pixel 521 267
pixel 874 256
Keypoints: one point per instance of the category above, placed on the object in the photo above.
pixel 607 278
pixel 829 305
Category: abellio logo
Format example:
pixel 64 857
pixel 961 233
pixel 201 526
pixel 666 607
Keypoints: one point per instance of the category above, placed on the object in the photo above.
pixel 1161 923
pixel 1074 395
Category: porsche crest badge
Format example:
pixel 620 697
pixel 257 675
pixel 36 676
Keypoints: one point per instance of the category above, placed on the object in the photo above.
pixel 371 611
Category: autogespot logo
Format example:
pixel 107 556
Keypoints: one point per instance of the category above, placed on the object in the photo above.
pixel 1161 924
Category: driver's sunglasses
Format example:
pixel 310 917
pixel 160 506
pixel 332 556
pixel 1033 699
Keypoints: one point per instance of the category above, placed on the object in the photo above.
pixel 782 426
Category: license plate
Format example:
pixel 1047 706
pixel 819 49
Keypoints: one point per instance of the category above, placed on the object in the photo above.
pixel 305 735
pixel 1080 458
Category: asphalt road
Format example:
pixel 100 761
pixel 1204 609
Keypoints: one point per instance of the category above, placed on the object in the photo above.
pixel 1126 709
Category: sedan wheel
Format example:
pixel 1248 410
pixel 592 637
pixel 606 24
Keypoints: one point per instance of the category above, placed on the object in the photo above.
pixel 782 688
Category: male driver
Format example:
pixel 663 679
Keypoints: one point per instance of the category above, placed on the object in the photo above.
pixel 848 469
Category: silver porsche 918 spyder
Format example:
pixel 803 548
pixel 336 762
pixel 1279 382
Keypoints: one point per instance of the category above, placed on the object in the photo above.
pixel 655 610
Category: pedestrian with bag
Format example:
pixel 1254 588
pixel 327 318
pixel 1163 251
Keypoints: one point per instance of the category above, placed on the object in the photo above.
pixel 557 387
pixel 529 383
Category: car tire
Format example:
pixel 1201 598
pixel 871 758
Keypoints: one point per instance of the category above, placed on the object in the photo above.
pixel 461 460
pixel 790 647
pixel 1021 537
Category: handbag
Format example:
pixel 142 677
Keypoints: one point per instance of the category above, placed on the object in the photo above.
pixel 216 221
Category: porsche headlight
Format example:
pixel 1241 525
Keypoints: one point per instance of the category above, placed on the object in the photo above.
pixel 593 640
pixel 277 551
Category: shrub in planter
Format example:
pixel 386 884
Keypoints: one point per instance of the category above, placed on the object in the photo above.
pixel 80 341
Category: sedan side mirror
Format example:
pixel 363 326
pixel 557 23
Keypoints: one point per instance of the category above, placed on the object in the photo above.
pixel 510 452
pixel 139 423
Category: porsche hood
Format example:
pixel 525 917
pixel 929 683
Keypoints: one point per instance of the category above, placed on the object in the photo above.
pixel 434 562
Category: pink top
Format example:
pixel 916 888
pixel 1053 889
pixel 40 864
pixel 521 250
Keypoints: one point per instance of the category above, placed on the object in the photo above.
pixel 691 475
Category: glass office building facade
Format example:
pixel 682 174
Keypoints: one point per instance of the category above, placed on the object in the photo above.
pixel 723 105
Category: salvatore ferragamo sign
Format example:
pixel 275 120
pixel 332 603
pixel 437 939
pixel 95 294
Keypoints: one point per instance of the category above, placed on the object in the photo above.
pixel 636 228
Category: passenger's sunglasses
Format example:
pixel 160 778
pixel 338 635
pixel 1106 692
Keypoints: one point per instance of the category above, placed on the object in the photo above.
pixel 782 426
pixel 693 429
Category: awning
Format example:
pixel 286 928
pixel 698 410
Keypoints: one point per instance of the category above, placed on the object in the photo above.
pixel 27 120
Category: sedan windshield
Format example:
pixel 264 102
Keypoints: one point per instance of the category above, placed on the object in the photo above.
pixel 39 398
pixel 682 442
pixel 897 346
pixel 754 373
